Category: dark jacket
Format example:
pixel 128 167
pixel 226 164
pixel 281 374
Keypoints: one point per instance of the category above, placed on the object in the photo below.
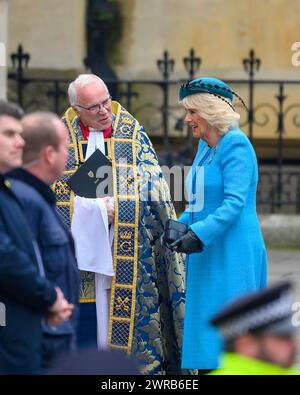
pixel 54 240
pixel 25 294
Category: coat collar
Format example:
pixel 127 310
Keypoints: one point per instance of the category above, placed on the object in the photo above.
pixel 34 182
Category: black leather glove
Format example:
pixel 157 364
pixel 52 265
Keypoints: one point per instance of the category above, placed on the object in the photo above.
pixel 188 243
pixel 173 231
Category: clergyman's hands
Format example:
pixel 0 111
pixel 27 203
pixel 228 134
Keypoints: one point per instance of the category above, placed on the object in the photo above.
pixel 60 311
pixel 110 209
pixel 188 243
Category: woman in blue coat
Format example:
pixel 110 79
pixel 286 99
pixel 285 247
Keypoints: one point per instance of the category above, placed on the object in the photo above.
pixel 226 252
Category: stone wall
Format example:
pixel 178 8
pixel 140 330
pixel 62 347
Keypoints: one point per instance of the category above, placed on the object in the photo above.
pixel 3 38
pixel 52 31
pixel 281 231
pixel 221 32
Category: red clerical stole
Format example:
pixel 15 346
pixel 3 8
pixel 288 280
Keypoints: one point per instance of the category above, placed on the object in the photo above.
pixel 86 131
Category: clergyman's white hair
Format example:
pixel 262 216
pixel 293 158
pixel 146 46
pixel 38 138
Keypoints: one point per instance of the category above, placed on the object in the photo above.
pixel 81 81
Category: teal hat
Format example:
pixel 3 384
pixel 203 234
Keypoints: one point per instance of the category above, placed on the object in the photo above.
pixel 206 85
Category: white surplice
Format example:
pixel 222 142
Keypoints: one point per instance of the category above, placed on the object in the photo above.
pixel 93 240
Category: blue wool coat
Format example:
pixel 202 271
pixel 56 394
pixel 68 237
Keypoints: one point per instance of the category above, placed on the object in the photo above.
pixel 57 251
pixel 24 293
pixel 222 212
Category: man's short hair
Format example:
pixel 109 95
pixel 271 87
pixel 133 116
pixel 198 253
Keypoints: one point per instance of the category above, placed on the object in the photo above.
pixel 11 109
pixel 81 81
pixel 39 130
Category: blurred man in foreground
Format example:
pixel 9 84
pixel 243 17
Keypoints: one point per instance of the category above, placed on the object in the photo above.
pixel 44 159
pixel 26 295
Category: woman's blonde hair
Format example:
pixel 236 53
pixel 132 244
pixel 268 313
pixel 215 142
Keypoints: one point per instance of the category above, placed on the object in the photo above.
pixel 215 111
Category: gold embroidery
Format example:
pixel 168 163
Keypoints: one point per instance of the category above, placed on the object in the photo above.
pixel 108 146
pixel 61 188
pixel 129 180
pixel 81 144
pixel 126 246
pixel 85 300
pixel 126 235
pixel 69 117
pixel 122 304
pixel 125 241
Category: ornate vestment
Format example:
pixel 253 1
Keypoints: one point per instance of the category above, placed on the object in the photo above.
pixel 147 296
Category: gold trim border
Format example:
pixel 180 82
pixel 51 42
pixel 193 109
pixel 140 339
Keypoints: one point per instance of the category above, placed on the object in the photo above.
pixel 118 225
pixel 70 117
pixel 83 300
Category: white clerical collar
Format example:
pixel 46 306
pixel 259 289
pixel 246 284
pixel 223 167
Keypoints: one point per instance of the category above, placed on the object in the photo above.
pixel 95 130
pixel 95 141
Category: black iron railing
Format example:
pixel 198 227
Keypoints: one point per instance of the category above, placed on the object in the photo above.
pixel 279 188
